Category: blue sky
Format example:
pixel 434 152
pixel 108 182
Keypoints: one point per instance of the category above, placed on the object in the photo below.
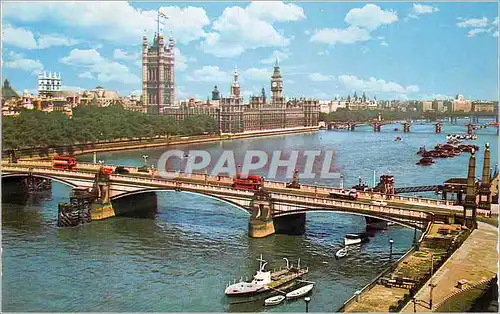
pixel 390 50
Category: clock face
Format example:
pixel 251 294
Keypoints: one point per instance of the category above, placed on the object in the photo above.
pixel 275 84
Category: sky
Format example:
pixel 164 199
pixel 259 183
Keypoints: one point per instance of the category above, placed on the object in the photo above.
pixel 391 50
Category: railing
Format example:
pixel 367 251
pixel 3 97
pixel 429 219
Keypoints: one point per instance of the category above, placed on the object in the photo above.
pixel 317 189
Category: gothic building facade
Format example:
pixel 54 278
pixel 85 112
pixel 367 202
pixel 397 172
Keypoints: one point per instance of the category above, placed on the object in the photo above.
pixel 234 116
pixel 158 74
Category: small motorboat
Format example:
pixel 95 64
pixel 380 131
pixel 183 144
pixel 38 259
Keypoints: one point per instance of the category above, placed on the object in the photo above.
pixel 355 238
pixel 274 300
pixel 299 292
pixel 341 253
pixel 397 138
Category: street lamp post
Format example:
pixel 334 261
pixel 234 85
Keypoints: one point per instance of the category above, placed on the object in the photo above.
pixel 342 181
pixel 430 283
pixel 307 299
pixel 391 242
pixel 315 189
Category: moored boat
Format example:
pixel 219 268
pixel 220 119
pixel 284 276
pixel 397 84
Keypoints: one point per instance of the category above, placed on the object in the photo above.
pixel 274 300
pixel 355 238
pixel 425 161
pixel 300 292
pixel 266 280
pixel 341 253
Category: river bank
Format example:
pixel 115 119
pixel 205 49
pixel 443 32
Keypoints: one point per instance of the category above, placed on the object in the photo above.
pixel 156 142
pixel 394 288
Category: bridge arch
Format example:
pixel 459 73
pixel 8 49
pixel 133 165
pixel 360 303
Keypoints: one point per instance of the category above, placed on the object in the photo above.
pixel 166 189
pixel 334 210
pixel 36 175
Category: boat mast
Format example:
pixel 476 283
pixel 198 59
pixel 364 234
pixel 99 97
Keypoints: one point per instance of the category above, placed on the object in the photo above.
pixel 261 261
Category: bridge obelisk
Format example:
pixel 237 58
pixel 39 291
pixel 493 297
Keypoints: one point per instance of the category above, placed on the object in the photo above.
pixel 484 190
pixel 470 198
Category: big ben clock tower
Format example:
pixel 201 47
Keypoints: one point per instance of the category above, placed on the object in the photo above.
pixel 277 86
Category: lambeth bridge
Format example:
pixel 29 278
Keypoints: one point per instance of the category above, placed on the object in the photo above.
pixel 275 204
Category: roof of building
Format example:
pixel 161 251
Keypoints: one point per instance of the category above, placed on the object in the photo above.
pixel 8 91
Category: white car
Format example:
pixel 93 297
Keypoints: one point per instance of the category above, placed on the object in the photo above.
pixel 379 203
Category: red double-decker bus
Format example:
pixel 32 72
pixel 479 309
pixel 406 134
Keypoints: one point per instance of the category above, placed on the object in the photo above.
pixel 65 162
pixel 251 182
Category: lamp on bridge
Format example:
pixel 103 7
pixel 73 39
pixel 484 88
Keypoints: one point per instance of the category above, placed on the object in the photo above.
pixel 307 299
pixel 391 242
pixel 145 157
pixel 100 162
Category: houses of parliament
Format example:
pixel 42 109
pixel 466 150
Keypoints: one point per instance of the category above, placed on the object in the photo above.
pixel 231 113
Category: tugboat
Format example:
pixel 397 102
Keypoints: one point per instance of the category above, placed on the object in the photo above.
pixel 265 280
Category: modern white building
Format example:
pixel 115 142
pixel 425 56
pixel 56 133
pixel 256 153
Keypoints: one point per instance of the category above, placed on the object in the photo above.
pixel 49 83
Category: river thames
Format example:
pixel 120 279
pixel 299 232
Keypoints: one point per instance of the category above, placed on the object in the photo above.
pixel 182 258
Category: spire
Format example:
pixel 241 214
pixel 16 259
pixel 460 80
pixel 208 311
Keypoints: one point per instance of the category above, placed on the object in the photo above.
pixel 235 73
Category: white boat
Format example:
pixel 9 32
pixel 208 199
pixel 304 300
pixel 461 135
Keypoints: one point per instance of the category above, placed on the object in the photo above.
pixel 265 280
pixel 299 292
pixel 354 238
pixel 274 300
pixel 341 253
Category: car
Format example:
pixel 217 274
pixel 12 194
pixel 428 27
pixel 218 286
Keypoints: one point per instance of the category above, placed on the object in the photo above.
pixel 379 203
pixel 121 170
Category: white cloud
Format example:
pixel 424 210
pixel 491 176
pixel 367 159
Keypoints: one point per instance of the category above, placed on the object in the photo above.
pixel 495 34
pixel 18 61
pixel 473 22
pixel 351 82
pixel 424 9
pixel 277 54
pixel 104 70
pixel 257 74
pixel 370 17
pixel 383 43
pixel 209 73
pixel 318 77
pixel 23 38
pixel 362 22
pixel 181 61
pixel 114 21
pixel 86 74
pixel 473 32
pixel 325 52
pixel 495 21
pixel 239 29
pixel 348 35
pixel 120 54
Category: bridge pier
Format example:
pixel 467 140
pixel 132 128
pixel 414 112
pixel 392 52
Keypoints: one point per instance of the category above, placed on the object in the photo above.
pixel 102 208
pixel 438 127
pixel 406 127
pixel 261 223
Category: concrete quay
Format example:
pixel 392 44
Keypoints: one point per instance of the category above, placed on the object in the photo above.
pixel 474 261
pixel 390 288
